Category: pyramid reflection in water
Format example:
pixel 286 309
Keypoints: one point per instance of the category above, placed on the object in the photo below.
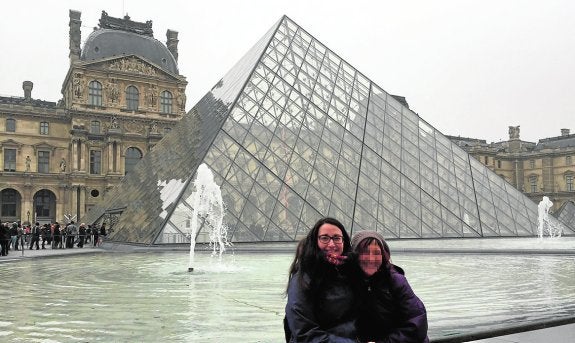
pixel 293 133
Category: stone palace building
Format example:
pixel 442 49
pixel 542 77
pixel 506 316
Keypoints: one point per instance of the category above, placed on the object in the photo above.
pixel 122 93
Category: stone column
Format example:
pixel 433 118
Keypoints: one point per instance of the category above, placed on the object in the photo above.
pixel 60 203
pixel 74 161
pixel 110 158
pixel 82 151
pixel 82 202
pixel 27 203
pixel 119 164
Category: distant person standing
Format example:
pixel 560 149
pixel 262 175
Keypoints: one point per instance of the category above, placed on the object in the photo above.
pixel 4 239
pixel 27 231
pixel 71 231
pixel 88 234
pixel 35 238
pixel 96 233
pixel 14 236
pixel 56 240
pixel 82 235
pixel 63 236
pixel 103 231
pixel 44 232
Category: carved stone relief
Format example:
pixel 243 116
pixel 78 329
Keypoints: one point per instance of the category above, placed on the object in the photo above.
pixel 151 96
pixel 134 127
pixel 181 99
pixel 113 91
pixel 154 128
pixel 78 85
pixel 132 65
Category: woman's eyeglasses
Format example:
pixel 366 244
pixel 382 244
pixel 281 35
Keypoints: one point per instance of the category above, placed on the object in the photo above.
pixel 325 239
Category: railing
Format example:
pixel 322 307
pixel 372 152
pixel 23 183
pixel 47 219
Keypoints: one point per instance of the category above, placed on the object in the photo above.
pixel 509 330
pixel 180 237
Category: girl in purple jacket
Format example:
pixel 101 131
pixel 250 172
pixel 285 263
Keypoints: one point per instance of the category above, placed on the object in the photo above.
pixel 389 310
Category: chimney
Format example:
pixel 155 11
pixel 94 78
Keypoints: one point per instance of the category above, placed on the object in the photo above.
pixel 564 132
pixel 172 43
pixel 75 35
pixel 27 87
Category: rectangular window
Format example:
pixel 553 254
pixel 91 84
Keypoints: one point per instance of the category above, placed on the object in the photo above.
pixel 44 128
pixel 8 210
pixel 10 125
pixel 166 102
pixel 498 164
pixel 486 160
pixel 569 182
pixel 95 127
pixel 568 160
pixel 10 160
pixel 8 201
pixel 533 182
pixel 531 164
pixel 43 162
pixel 95 161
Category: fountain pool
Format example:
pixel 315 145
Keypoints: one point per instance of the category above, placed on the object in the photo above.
pixel 150 297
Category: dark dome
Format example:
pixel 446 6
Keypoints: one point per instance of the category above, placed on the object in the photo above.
pixel 105 43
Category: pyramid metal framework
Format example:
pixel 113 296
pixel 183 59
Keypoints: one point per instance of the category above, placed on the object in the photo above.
pixel 566 214
pixel 294 133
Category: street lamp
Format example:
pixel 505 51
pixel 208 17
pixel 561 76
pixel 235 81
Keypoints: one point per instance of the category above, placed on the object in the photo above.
pixel 28 214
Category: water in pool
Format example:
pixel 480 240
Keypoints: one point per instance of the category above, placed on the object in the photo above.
pixel 150 297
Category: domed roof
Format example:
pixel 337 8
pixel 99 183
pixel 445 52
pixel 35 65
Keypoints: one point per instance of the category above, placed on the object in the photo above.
pixel 105 43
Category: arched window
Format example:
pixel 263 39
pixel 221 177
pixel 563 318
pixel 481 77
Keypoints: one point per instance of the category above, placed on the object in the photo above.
pixel 166 102
pixel 44 204
pixel 95 93
pixel 132 98
pixel 10 125
pixel 133 156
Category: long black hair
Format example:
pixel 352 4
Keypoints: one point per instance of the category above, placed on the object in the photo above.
pixel 309 258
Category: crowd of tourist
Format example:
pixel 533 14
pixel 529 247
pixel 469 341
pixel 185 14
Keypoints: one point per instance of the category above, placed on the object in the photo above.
pixel 16 236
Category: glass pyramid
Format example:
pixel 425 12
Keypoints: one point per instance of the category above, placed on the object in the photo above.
pixel 566 214
pixel 294 133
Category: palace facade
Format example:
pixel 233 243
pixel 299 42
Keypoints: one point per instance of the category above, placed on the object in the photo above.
pixel 545 168
pixel 122 93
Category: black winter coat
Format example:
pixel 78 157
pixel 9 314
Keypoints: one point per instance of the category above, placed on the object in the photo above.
pixel 4 232
pixel 326 316
pixel 390 311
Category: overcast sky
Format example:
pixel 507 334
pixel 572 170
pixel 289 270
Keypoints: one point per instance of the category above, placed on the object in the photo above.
pixel 469 68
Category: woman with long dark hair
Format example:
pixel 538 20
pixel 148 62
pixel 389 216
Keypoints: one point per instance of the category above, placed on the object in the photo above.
pixel 320 301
